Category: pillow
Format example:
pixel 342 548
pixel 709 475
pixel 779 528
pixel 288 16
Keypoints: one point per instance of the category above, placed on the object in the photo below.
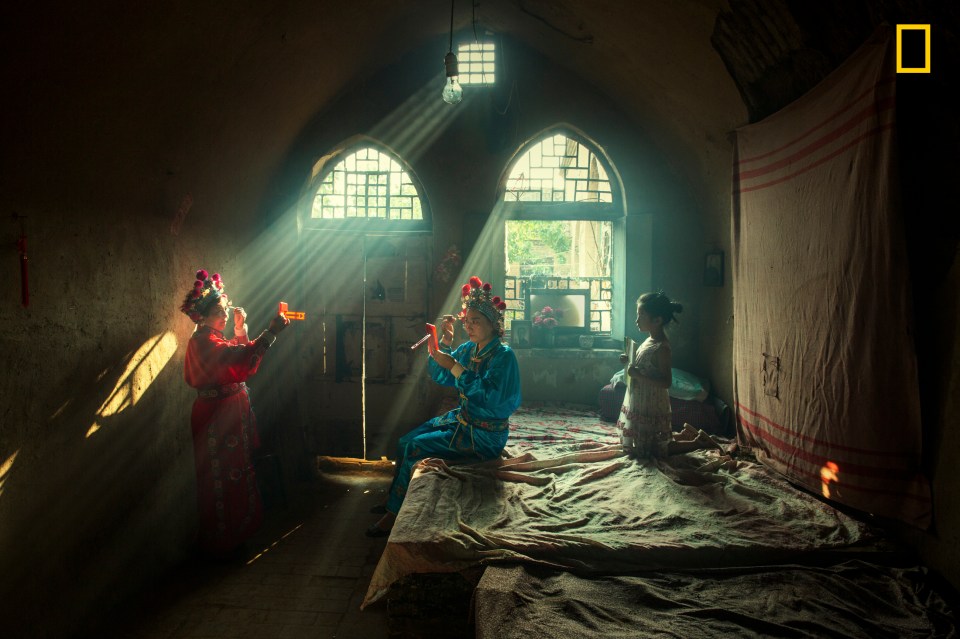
pixel 685 385
pixel 618 378
pixel 688 386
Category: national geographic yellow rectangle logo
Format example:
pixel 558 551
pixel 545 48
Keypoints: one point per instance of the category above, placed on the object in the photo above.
pixel 913 48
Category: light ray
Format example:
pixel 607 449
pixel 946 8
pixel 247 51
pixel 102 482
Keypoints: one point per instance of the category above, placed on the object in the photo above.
pixel 285 250
pixel 142 369
pixel 5 468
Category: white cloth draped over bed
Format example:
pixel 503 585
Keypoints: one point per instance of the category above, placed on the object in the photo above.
pixel 826 387
pixel 568 498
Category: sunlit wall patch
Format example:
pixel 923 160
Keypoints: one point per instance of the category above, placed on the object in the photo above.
pixel 830 473
pixel 142 369
pixel 5 468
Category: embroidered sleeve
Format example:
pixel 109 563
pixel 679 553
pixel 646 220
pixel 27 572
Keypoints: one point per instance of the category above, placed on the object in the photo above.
pixel 441 375
pixel 494 390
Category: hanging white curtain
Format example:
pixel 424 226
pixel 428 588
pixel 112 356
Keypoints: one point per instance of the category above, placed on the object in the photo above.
pixel 824 363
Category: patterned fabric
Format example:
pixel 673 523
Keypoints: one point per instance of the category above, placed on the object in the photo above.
pixel 225 437
pixel 221 391
pixel 645 414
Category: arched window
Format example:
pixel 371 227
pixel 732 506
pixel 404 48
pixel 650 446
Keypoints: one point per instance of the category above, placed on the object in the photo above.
pixel 366 187
pixel 562 211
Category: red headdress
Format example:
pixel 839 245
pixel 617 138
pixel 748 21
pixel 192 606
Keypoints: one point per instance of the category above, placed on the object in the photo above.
pixel 478 295
pixel 205 294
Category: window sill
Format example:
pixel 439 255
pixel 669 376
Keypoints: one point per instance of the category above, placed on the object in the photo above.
pixel 568 353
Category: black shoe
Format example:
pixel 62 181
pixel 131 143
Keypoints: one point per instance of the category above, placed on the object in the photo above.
pixel 379 509
pixel 376 531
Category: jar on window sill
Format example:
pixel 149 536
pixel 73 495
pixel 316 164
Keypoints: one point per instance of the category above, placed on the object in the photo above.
pixel 546 338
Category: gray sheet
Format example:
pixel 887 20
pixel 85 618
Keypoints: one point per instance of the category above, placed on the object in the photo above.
pixel 578 503
pixel 849 600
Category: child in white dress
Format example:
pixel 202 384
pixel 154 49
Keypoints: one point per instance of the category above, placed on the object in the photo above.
pixel 644 423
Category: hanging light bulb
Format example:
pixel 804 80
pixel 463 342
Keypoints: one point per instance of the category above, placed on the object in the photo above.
pixel 452 91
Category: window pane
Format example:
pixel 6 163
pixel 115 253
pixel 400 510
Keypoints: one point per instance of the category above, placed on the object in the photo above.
pixel 558 169
pixel 559 254
pixel 476 63
pixel 370 184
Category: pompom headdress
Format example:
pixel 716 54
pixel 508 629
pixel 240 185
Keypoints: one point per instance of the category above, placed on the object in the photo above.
pixel 478 295
pixel 205 294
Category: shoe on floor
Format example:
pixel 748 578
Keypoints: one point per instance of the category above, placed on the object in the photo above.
pixel 376 531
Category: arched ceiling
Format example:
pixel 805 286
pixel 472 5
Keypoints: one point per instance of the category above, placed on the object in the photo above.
pixel 654 58
pixel 180 88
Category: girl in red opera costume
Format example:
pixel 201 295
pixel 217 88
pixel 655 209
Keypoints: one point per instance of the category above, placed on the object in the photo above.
pixel 222 421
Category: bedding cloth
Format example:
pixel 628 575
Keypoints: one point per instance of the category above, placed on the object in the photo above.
pixel 564 496
pixel 849 599
pixel 703 415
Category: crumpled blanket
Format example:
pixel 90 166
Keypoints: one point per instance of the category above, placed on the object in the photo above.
pixel 572 500
pixel 849 599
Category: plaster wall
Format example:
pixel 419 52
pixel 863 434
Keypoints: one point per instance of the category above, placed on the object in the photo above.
pixel 96 470
pixel 568 375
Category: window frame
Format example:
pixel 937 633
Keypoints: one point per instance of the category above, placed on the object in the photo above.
pixel 329 162
pixel 614 212
pixel 464 60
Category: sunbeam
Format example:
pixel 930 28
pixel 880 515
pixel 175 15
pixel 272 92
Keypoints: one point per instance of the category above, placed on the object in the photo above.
pixel 416 123
pixel 5 468
pixel 313 269
pixel 144 367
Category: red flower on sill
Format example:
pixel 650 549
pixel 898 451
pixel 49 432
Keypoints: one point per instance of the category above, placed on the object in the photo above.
pixel 547 317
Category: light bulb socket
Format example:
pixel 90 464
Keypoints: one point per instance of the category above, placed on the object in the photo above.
pixel 450 62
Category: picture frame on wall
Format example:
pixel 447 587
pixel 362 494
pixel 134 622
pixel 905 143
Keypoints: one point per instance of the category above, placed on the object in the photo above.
pixel 521 334
pixel 713 269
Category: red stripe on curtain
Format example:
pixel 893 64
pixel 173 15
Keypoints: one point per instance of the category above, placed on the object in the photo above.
pixel 819 459
pixel 827 158
pixel 820 442
pixel 871 112
pixel 812 478
pixel 853 103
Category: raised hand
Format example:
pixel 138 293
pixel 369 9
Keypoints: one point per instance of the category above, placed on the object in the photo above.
pixel 447 325
pixel 440 357
pixel 239 316
pixel 278 323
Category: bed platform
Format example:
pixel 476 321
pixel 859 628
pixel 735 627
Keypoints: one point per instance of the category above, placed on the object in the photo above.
pixel 565 526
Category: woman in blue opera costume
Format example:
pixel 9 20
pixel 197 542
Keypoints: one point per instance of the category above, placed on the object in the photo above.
pixel 485 373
